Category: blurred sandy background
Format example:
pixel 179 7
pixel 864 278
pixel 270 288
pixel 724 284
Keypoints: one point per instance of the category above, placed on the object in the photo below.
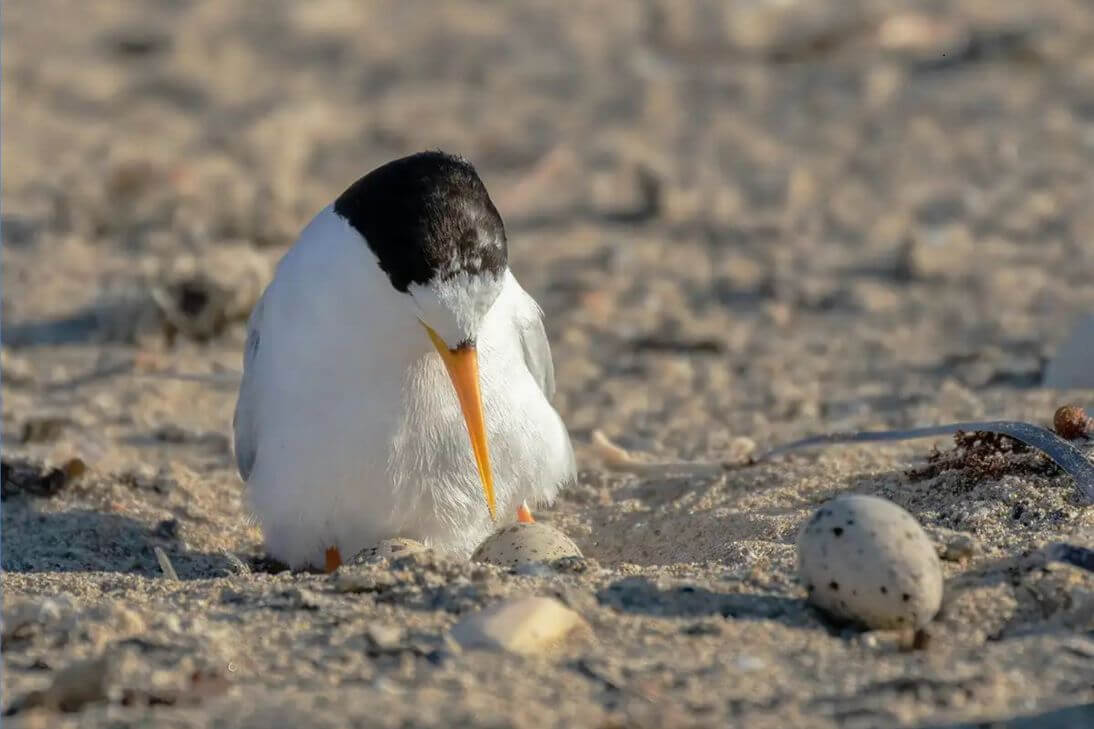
pixel 747 221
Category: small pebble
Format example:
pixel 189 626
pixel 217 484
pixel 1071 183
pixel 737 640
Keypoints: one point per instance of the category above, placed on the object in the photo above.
pixel 865 559
pixel 17 370
pixel 528 625
pixel 959 547
pixel 354 581
pixel 522 544
pixel 384 638
pixel 740 449
pixel 749 664
pixel 1071 422
pixel 951 545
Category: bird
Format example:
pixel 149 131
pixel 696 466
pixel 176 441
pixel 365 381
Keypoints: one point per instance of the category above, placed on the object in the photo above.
pixel 397 379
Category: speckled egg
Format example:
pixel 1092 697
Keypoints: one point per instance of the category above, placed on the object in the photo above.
pixel 520 544
pixel 388 549
pixel 865 559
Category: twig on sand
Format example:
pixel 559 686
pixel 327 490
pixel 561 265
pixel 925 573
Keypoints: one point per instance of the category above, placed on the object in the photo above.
pixel 165 564
pixel 1072 554
pixel 1064 454
pixel 619 459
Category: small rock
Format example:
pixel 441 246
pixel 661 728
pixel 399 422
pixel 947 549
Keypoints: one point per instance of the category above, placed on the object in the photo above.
pixel 953 546
pixel 749 664
pixel 1071 422
pixel 917 36
pixel 384 638
pixel 530 625
pixel 74 468
pixel 741 449
pixel 387 549
pixel 521 544
pixel 353 581
pixel 960 547
pixel 865 559
pixel 867 639
pixel 17 370
pixel 937 252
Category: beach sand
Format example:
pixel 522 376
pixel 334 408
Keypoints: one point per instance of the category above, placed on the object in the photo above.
pixel 747 222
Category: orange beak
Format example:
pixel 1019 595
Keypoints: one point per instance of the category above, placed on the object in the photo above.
pixel 463 370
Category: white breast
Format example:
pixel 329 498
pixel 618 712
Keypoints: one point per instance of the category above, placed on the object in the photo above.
pixel 356 431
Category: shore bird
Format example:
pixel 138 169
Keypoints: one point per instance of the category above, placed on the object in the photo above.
pixel 397 378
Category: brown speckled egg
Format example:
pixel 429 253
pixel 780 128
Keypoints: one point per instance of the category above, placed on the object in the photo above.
pixel 520 544
pixel 865 559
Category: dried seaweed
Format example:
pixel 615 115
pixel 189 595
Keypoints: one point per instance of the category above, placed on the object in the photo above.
pixel 21 477
pixel 983 455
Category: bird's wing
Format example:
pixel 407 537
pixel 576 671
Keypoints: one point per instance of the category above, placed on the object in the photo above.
pixel 537 353
pixel 537 357
pixel 245 420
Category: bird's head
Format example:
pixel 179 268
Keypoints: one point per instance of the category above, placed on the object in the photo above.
pixel 437 235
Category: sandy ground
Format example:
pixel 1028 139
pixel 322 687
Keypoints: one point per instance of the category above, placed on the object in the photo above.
pixel 747 222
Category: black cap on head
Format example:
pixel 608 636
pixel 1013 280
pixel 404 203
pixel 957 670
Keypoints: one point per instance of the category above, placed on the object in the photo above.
pixel 426 216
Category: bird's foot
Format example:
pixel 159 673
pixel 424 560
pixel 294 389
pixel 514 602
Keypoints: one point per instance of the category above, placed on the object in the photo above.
pixel 333 559
pixel 524 514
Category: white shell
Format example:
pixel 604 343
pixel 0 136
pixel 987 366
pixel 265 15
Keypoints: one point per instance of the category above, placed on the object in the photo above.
pixel 866 559
pixel 528 625
pixel 520 544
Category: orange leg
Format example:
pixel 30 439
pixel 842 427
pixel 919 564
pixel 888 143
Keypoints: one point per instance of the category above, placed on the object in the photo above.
pixel 524 514
pixel 334 559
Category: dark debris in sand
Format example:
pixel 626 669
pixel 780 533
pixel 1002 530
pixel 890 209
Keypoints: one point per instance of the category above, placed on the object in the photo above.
pixel 981 455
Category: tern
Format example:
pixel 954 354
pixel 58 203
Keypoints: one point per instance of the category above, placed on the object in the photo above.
pixel 396 377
